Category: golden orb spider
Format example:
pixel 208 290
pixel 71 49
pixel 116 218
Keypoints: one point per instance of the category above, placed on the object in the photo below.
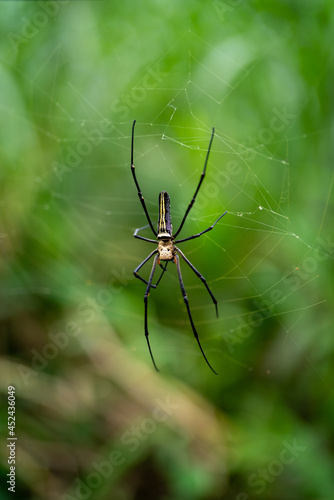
pixel 167 249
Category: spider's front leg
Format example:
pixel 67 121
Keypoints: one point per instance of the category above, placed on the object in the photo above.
pixel 147 293
pixel 201 277
pixel 136 275
pixel 186 301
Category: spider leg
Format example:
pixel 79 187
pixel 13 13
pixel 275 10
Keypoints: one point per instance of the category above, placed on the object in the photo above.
pixel 135 234
pixel 199 185
pixel 142 201
pixel 185 298
pixel 147 293
pixel 201 277
pixel 135 272
pixel 161 275
pixel 200 234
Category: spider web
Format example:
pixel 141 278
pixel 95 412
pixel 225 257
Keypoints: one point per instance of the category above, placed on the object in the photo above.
pixel 248 174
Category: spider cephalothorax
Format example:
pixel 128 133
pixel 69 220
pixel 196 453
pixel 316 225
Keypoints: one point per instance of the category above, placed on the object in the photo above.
pixel 167 250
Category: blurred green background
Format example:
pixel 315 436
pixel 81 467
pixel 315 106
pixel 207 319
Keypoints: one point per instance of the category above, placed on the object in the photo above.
pixel 93 418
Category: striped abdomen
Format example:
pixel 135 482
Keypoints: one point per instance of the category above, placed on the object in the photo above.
pixel 165 222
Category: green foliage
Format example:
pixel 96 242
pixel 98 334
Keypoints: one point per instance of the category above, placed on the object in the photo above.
pixel 93 419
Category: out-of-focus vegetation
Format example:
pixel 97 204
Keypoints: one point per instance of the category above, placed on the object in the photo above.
pixel 93 418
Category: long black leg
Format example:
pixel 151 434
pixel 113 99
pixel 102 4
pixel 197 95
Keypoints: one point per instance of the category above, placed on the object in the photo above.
pixel 147 293
pixel 185 298
pixel 161 275
pixel 136 235
pixel 201 277
pixel 135 272
pixel 199 185
pixel 142 201
pixel 200 234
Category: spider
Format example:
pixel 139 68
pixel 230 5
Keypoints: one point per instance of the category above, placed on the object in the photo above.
pixel 167 249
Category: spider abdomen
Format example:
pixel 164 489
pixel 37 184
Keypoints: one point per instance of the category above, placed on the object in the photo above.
pixel 166 249
pixel 165 221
